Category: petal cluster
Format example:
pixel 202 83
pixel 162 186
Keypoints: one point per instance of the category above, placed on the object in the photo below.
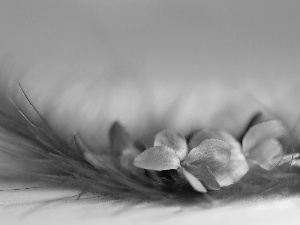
pixel 210 159
pixel 200 165
pixel 214 158
pixel 261 144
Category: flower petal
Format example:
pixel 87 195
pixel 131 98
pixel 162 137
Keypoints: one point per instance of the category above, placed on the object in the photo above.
pixel 173 140
pixel 265 153
pixel 294 166
pixel 157 158
pixel 256 118
pixel 237 167
pixel 204 174
pixel 126 161
pixel 283 162
pixel 287 158
pixel 123 150
pixel 201 135
pixel 262 131
pixel 119 139
pixel 289 162
pixel 194 182
pixel 211 152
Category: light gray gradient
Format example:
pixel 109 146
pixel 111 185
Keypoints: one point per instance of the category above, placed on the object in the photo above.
pixel 87 63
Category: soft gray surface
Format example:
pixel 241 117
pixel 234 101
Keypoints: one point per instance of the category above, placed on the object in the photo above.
pixel 19 208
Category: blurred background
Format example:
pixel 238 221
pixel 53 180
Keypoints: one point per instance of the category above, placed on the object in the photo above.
pixel 150 63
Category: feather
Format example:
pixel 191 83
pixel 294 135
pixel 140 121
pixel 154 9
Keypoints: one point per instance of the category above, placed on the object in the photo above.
pixel 38 152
